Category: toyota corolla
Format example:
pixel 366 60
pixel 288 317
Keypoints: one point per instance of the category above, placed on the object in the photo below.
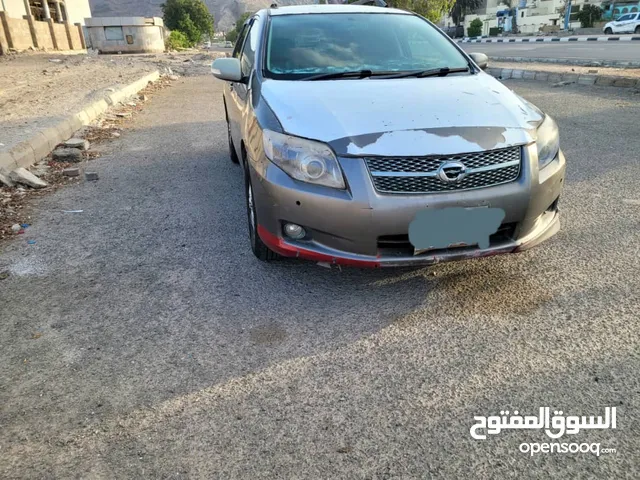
pixel 368 138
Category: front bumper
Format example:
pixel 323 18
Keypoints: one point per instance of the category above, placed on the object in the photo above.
pixel 345 225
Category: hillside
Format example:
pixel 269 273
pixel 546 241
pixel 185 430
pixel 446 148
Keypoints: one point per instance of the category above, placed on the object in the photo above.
pixel 225 11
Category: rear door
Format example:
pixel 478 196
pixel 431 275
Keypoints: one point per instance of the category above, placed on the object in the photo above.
pixel 619 25
pixel 635 23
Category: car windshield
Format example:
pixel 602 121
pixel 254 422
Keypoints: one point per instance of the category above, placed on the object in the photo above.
pixel 300 46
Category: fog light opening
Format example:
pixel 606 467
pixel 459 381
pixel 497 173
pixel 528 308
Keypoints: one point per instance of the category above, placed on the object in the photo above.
pixel 294 231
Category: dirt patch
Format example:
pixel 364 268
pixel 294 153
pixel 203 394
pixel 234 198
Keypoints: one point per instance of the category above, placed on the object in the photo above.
pixel 39 90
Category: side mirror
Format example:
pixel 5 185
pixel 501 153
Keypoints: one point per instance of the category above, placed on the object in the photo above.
pixel 227 69
pixel 480 59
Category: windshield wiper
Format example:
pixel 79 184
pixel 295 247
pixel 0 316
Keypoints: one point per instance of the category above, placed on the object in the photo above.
pixel 434 72
pixel 348 74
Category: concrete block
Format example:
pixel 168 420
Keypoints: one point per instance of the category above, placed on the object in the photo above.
pixel 494 72
pixel 517 74
pixel 506 73
pixel 570 77
pixel 542 76
pixel 40 145
pixel 7 163
pixel 604 80
pixel 74 122
pixel 587 80
pixel 53 137
pixel 6 181
pixel 71 172
pixel 84 118
pixel 624 82
pixel 25 177
pixel 555 77
pixel 23 154
pixel 79 143
pixel 91 176
pixel 65 130
pixel 100 107
pixel 72 155
pixel 529 75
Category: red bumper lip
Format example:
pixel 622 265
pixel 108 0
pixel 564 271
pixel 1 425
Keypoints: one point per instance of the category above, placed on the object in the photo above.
pixel 279 246
pixel 548 227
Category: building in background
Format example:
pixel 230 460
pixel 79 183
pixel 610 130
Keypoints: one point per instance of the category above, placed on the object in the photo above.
pixel 125 34
pixel 72 11
pixel 534 16
pixel 42 24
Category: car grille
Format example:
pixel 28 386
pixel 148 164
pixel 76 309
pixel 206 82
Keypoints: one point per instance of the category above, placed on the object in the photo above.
pixel 420 174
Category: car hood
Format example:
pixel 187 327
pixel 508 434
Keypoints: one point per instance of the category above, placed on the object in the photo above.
pixel 402 117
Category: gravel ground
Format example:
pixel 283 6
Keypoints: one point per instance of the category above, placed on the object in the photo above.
pixel 39 90
pixel 141 338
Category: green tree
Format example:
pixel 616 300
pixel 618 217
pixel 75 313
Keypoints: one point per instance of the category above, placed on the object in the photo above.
pixel 434 10
pixel 189 29
pixel 232 35
pixel 190 17
pixel 461 8
pixel 475 28
pixel 177 40
pixel 589 14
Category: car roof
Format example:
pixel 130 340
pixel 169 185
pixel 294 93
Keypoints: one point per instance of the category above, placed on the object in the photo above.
pixel 307 9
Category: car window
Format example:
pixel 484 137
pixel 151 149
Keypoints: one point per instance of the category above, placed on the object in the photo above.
pixel 249 51
pixel 239 41
pixel 305 45
pixel 624 17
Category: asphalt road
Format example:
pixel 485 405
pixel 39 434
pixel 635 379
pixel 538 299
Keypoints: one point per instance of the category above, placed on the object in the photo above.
pixel 588 51
pixel 142 339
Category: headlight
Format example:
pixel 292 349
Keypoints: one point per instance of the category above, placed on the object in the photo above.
pixel 304 160
pixel 548 142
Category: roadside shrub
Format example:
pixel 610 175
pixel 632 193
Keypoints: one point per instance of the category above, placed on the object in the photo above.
pixel 177 41
pixel 475 28
pixel 588 15
pixel 231 36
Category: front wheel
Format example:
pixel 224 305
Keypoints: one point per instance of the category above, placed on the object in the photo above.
pixel 608 31
pixel 637 30
pixel 259 249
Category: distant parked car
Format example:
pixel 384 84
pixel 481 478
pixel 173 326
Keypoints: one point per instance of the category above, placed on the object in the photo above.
pixel 629 23
pixel 455 32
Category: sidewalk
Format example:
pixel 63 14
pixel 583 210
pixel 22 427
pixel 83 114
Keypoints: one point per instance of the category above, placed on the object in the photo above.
pixel 566 69
pixel 574 38
pixel 37 91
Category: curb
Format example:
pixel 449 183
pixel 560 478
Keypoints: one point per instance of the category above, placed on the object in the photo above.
pixel 569 61
pixel 628 38
pixel 28 152
pixel 566 78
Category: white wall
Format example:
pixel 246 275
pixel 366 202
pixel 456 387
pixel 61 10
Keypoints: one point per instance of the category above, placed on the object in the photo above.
pixel 77 10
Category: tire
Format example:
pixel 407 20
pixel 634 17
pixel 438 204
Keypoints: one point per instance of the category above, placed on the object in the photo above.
pixel 232 150
pixel 259 249
pixel 637 30
pixel 608 31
